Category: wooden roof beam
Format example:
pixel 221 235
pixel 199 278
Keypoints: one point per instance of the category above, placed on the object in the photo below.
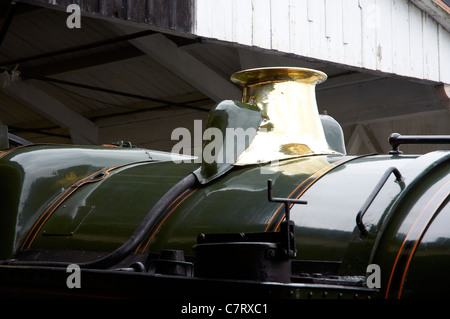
pixel 187 67
pixel 82 130
pixel 437 9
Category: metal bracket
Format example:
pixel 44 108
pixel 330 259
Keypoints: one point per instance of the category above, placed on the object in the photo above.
pixel 287 227
pixel 285 201
pixel 285 237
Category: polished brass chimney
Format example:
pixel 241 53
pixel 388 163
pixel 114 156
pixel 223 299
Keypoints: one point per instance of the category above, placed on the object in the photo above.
pixel 291 126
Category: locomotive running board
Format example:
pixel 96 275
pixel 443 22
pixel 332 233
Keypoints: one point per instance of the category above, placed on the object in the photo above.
pixel 51 282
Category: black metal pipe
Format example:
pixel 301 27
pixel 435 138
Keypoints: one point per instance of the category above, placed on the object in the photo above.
pixel 396 140
pixel 285 201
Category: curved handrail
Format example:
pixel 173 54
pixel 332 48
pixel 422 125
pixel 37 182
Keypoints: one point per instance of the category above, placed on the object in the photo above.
pixel 376 190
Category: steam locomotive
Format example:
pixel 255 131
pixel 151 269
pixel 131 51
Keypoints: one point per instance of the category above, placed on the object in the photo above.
pixel 273 208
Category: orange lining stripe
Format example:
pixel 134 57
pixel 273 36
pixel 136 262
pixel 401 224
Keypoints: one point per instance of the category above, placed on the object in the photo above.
pixel 301 193
pixel 416 242
pixel 44 221
pixel 276 213
pixel 317 175
pixel 167 215
pixel 51 206
pixel 3 153
pixel 61 198
pixel 163 220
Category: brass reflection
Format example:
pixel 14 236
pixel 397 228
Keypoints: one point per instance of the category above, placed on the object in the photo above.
pixel 291 125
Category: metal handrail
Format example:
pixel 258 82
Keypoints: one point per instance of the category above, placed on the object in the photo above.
pixel 370 199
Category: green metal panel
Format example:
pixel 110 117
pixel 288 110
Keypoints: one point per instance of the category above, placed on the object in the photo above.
pixel 429 266
pixel 238 203
pixel 33 176
pixel 237 123
pixel 110 190
pixel 104 214
pixel 412 247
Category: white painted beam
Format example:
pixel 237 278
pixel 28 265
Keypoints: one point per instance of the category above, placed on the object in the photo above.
pixel 362 136
pixel 354 142
pixel 437 9
pixel 83 131
pixel 368 139
pixel 187 67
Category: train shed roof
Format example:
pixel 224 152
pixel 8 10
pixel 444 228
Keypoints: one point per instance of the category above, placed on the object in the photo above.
pixel 136 70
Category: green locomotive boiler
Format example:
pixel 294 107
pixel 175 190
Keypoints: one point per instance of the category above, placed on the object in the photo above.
pixel 272 208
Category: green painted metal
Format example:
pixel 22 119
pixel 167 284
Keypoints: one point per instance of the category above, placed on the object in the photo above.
pixel 413 244
pixel 33 176
pixel 78 203
pixel 101 216
pixel 237 123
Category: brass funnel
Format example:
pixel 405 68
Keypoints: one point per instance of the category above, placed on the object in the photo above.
pixel 291 126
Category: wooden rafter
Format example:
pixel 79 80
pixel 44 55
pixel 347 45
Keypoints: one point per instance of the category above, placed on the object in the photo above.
pixel 82 130
pixel 187 67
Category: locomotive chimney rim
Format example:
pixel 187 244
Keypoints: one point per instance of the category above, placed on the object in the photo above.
pixel 259 76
